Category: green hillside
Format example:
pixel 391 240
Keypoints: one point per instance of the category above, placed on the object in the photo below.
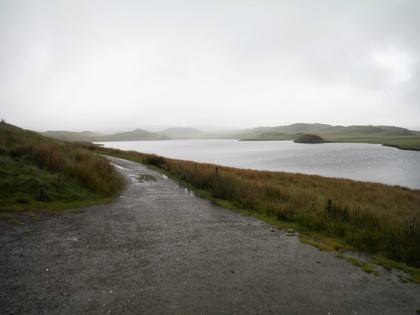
pixel 135 135
pixel 182 133
pixel 72 136
pixel 37 172
pixel 387 135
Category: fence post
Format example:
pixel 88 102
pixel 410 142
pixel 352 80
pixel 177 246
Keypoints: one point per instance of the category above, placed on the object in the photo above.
pixel 59 181
pixel 329 207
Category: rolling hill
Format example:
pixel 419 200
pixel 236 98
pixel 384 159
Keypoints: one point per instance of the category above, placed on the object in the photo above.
pixel 135 135
pixel 72 136
pixel 182 133
pixel 388 135
pixel 282 132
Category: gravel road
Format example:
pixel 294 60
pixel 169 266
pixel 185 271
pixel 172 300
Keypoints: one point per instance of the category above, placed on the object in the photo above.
pixel 160 250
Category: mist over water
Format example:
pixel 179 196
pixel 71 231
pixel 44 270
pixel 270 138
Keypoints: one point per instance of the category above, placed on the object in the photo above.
pixel 365 162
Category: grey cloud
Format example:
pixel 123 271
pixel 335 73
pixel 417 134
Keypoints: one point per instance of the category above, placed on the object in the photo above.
pixel 130 62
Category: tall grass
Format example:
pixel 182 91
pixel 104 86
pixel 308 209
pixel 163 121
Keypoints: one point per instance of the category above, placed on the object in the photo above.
pixel 372 217
pixel 93 172
pixel 35 168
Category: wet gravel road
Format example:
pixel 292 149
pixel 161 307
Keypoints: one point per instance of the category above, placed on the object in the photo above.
pixel 160 250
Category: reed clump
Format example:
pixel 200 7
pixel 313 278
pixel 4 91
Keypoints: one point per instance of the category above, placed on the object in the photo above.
pixel 371 217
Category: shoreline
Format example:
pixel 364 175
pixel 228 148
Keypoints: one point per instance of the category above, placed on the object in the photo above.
pixel 396 146
pixel 256 162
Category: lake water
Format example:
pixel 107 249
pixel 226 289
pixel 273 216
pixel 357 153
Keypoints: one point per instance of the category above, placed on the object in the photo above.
pixel 365 162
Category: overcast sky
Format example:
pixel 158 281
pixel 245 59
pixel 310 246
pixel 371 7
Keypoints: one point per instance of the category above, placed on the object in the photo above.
pixel 119 65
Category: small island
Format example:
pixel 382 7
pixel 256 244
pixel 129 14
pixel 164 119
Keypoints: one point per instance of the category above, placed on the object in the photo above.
pixel 310 138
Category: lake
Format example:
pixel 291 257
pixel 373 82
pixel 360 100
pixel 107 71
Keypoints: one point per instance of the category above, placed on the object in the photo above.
pixel 358 161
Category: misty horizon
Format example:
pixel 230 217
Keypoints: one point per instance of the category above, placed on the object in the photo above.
pixel 203 129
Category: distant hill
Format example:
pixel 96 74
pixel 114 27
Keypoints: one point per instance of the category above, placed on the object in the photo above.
pixel 135 135
pixel 142 134
pixel 72 136
pixel 182 133
pixel 292 131
pixel 369 130
pixel 302 128
pixel 388 135
pixel 398 137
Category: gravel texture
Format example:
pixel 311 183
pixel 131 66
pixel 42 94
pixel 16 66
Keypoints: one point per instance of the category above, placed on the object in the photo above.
pixel 160 250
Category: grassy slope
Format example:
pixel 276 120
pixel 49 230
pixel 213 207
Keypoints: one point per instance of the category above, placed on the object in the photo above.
pixel 370 217
pixel 40 173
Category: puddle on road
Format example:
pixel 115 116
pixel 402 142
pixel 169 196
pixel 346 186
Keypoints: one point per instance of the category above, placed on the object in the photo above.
pixel 189 192
pixel 73 239
pixel 119 166
pixel 146 178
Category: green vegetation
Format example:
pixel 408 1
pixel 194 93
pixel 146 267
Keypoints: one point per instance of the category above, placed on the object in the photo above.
pixel 72 136
pixel 387 135
pixel 310 138
pixel 38 173
pixel 364 265
pixel 137 134
pixel 370 217
pixel 391 264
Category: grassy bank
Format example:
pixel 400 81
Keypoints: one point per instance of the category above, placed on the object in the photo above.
pixel 404 143
pixel 411 143
pixel 397 137
pixel 371 217
pixel 38 173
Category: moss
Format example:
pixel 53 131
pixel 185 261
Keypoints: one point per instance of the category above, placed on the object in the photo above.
pixel 412 272
pixel 364 265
